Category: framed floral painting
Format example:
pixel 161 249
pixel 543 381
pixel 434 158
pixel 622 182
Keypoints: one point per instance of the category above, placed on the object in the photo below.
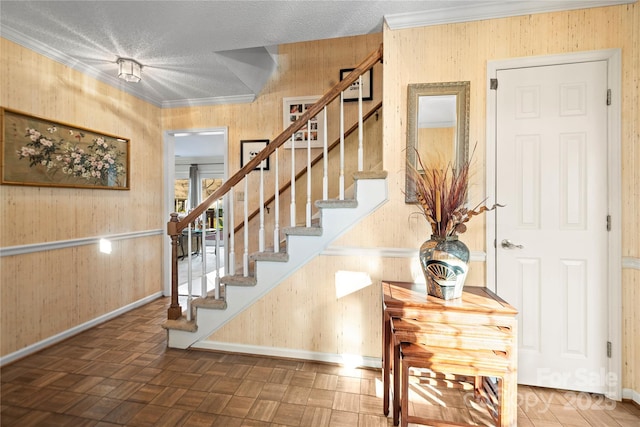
pixel 42 152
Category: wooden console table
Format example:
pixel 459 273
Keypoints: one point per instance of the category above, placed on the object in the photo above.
pixel 480 321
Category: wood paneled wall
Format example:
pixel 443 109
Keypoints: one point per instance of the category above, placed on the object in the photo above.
pixel 306 312
pixel 461 51
pixel 433 54
pixel 46 293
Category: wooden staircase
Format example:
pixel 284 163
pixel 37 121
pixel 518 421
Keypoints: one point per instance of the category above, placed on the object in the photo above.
pixel 263 270
pixel 270 269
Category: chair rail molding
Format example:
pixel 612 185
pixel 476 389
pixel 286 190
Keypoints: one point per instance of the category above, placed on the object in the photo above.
pixel 62 244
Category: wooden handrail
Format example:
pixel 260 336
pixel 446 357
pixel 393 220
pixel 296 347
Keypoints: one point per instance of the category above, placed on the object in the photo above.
pixel 303 171
pixel 333 93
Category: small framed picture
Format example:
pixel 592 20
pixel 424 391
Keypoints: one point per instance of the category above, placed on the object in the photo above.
pixel 351 93
pixel 292 109
pixel 250 149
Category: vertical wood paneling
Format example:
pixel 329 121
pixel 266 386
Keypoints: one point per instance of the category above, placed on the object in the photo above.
pixel 46 293
pixel 432 54
pixel 451 53
pixel 460 52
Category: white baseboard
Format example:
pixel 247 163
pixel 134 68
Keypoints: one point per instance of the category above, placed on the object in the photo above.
pixel 351 361
pixel 12 357
pixel 627 393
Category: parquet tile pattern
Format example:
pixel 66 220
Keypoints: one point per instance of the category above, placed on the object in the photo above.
pixel 122 373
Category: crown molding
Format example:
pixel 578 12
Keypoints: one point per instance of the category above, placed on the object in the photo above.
pixel 216 100
pixel 490 10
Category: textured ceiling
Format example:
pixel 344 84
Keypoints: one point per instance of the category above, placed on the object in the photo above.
pixel 191 50
pixel 207 52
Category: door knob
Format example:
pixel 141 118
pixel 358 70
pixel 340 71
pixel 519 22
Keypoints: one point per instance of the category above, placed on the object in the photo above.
pixel 506 243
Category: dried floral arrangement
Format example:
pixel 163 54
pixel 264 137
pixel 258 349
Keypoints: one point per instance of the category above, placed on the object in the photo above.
pixel 442 194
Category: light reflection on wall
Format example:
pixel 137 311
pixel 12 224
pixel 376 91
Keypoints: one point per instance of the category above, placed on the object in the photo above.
pixel 348 282
pixel 416 271
pixel 105 246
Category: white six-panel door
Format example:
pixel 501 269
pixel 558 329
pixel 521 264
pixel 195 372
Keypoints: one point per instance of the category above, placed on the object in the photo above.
pixel 551 257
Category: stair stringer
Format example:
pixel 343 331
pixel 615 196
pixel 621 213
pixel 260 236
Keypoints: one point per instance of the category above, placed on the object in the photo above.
pixel 370 195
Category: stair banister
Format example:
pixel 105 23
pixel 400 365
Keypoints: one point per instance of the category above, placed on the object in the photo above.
pixel 313 111
pixel 303 171
pixel 175 226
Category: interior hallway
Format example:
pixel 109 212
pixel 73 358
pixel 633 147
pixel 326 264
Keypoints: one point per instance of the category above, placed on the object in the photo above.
pixel 122 373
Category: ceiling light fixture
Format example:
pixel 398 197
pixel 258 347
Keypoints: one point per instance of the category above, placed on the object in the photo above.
pixel 129 70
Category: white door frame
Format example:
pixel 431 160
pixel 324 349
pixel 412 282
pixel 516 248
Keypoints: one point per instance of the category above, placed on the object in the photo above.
pixel 613 376
pixel 169 188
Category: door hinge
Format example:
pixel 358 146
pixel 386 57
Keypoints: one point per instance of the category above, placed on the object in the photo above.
pixel 609 349
pixel 608 96
pixel 493 84
pixel 608 222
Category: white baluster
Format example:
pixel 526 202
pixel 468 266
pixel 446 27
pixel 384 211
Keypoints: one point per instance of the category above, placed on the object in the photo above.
pixel 232 234
pixel 325 158
pixel 341 146
pixel 203 245
pixel 276 229
pixel 216 289
pixel 292 206
pixel 360 149
pixel 261 230
pixel 308 207
pixel 189 273
pixel 245 256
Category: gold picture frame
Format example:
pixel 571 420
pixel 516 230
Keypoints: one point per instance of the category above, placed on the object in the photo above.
pixel 37 151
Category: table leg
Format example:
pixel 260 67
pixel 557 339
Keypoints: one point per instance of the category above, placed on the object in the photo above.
pixel 508 412
pixel 396 382
pixel 386 334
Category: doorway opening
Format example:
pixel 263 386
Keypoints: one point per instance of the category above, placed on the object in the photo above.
pixel 195 166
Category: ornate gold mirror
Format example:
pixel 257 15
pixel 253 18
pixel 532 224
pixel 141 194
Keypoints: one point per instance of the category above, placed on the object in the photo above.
pixel 437 127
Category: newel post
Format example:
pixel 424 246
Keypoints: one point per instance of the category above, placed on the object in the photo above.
pixel 175 311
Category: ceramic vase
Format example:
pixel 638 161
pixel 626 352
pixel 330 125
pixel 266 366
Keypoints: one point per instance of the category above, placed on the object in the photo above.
pixel 445 263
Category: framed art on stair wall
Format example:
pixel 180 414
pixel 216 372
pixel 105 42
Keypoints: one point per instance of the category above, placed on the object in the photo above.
pixel 250 149
pixel 292 109
pixel 351 93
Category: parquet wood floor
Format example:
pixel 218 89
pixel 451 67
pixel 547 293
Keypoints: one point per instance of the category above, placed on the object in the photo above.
pixel 122 373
